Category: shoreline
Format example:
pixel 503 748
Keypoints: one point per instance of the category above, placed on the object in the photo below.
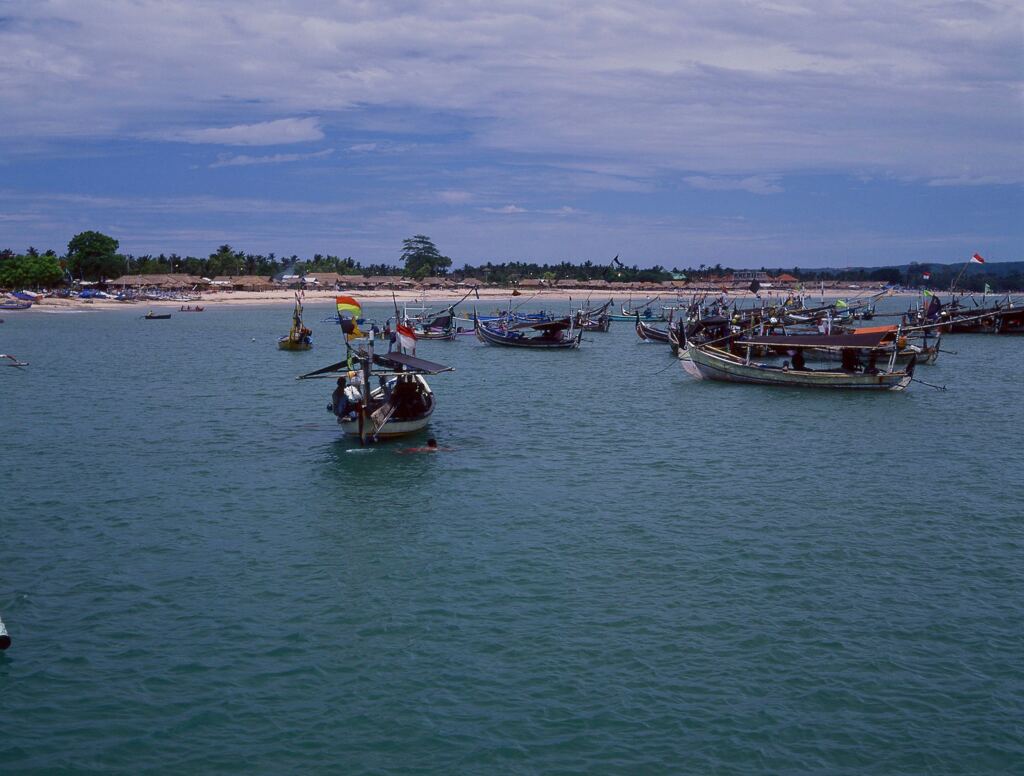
pixel 286 298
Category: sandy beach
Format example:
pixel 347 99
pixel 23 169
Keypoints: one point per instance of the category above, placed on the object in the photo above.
pixel 488 297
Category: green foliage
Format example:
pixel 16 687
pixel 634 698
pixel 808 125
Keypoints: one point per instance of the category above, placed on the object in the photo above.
pixel 93 256
pixel 422 259
pixel 29 271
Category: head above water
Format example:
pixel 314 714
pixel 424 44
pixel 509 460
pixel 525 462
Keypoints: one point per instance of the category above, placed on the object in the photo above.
pixel 431 442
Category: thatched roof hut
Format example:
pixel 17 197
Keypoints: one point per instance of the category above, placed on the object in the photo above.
pixel 244 282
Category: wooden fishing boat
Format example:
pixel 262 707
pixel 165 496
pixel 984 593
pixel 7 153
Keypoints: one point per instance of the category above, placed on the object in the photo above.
pixel 152 316
pixel 190 309
pixel 594 319
pixel 650 333
pixel 11 305
pixel 401 402
pixel 441 327
pixel 299 337
pixel 601 323
pixel 708 362
pixel 549 335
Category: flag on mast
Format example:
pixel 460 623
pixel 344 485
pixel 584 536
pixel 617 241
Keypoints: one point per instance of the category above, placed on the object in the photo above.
pixel 976 259
pixel 406 338
pixel 349 311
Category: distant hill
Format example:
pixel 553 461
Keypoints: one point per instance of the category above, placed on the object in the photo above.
pixel 997 268
pixel 998 275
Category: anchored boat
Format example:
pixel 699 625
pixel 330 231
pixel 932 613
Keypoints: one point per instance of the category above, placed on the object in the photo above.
pixel 547 335
pixel 708 362
pixel 299 337
pixel 379 395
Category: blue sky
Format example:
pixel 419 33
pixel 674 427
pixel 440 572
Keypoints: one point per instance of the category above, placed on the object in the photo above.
pixel 676 133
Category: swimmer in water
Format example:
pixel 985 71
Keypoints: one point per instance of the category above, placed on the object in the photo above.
pixel 430 448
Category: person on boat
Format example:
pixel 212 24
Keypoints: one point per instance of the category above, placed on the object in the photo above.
pixel 339 402
pixel 798 360
pixel 345 398
pixel 851 360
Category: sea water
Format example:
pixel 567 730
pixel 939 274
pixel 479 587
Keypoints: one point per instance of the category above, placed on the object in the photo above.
pixel 614 569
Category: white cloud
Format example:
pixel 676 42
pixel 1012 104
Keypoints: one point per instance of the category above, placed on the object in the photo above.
pixel 240 160
pixel 507 210
pixel 755 184
pixel 279 132
pixel 724 88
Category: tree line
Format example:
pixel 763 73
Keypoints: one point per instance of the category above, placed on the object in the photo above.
pixel 93 256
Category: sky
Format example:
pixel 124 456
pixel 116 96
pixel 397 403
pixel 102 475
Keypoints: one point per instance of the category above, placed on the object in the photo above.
pixel 802 133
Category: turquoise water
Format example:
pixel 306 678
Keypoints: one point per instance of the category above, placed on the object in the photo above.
pixel 615 570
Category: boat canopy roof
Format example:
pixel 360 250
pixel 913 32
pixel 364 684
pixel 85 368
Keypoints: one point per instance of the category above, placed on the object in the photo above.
pixel 560 324
pixel 861 341
pixel 409 363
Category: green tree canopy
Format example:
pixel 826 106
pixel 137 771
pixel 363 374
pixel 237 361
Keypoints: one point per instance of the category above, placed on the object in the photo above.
pixel 29 271
pixel 422 258
pixel 93 256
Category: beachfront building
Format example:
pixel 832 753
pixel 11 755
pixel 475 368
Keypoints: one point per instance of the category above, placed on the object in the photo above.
pixel 242 283
pixel 167 281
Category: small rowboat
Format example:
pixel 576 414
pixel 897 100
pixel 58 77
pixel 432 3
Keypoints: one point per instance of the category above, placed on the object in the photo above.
pixel 151 316
pixel 15 305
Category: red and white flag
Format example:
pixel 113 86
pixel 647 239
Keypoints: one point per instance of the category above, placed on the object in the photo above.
pixel 406 338
pixel 976 259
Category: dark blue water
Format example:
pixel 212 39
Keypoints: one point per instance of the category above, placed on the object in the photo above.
pixel 616 570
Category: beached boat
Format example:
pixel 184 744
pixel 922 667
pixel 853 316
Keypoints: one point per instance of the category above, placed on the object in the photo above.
pixel 152 316
pixel 548 335
pixel 12 305
pixel 299 337
pixel 708 362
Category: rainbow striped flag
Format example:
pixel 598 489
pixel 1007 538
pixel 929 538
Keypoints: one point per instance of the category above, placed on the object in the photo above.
pixel 347 304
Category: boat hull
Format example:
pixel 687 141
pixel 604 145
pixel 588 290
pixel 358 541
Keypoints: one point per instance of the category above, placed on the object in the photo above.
pixel 714 364
pixel 392 427
pixel 289 344
pixel 489 337
pixel 650 333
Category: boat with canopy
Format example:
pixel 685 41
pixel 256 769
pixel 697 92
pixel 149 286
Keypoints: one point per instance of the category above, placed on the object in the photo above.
pixel 857 352
pixel 378 395
pixel 559 334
